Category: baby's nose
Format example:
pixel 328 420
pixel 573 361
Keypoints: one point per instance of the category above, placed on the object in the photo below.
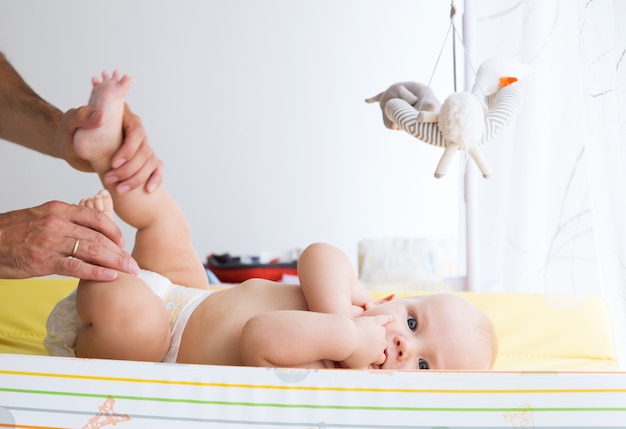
pixel 403 347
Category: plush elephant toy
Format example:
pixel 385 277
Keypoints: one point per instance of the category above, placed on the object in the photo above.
pixel 416 94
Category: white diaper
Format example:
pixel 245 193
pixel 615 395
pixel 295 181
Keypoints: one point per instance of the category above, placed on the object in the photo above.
pixel 180 303
pixel 63 322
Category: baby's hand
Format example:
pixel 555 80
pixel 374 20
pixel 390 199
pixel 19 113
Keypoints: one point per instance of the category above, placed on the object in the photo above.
pixel 371 343
pixel 361 299
pixel 357 311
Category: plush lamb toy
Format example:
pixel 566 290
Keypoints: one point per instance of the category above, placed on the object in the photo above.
pixel 465 119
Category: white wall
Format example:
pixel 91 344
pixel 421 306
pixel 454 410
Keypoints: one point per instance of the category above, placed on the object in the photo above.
pixel 256 108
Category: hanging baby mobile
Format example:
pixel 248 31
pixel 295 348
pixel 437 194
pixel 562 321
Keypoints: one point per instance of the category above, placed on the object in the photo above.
pixel 464 120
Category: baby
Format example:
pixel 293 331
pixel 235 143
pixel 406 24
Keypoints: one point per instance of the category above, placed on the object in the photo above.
pixel 328 321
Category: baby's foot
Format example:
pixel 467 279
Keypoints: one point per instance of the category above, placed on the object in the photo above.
pixel 97 145
pixel 101 201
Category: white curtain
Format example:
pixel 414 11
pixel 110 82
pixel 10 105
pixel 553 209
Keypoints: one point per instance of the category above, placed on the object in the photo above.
pixel 552 218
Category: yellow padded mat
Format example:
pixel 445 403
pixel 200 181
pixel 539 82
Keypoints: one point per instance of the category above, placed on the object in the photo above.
pixel 535 332
pixel 24 309
pixel 547 332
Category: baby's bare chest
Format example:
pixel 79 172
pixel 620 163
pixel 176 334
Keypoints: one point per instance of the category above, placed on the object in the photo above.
pixel 212 335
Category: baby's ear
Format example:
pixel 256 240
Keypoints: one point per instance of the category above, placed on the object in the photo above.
pixel 386 299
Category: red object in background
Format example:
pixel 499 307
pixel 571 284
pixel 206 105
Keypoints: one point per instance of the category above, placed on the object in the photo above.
pixel 231 270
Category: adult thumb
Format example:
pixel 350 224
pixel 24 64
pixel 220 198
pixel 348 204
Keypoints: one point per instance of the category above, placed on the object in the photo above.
pixel 87 117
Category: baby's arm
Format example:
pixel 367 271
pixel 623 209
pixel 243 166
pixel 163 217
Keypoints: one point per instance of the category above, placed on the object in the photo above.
pixel 329 282
pixel 294 338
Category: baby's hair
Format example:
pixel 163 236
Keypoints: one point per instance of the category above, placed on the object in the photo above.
pixel 487 331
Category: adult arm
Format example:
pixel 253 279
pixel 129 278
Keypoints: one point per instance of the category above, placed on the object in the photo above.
pixel 25 118
pixel 37 242
pixel 32 122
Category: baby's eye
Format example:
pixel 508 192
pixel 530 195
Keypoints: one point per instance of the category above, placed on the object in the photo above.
pixel 422 364
pixel 412 323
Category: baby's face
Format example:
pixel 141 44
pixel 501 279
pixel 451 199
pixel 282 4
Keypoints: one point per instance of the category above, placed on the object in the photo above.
pixel 441 332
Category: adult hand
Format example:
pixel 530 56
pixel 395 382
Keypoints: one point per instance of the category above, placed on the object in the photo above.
pixel 38 241
pixel 73 119
pixel 134 164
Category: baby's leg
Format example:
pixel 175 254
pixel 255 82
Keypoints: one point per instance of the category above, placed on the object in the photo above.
pixel 123 319
pixel 101 201
pixel 97 145
pixel 163 241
